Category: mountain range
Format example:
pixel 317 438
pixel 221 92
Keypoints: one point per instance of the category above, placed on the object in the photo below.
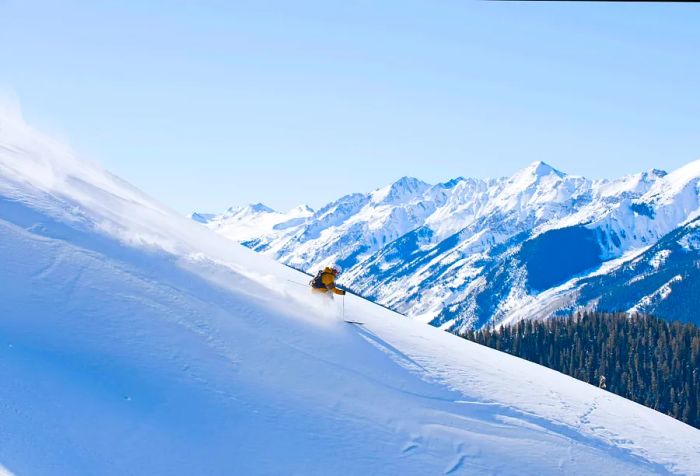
pixel 473 252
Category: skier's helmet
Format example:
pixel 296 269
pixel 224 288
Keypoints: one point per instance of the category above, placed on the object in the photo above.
pixel 336 269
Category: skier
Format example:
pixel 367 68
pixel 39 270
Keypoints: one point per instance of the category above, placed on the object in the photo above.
pixel 601 382
pixel 324 281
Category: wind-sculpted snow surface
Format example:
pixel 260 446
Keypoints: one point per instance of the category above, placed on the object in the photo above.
pixel 135 341
pixel 470 252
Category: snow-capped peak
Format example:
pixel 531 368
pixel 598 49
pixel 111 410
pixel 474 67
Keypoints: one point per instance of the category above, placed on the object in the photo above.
pixel 535 174
pixel 403 189
pixel 259 208
pixel 539 169
pixel 250 209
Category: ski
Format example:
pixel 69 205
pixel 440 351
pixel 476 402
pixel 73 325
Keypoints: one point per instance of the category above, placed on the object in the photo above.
pixel 355 322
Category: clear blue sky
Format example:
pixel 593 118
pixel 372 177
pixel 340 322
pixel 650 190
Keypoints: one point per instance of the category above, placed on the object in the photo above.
pixel 221 103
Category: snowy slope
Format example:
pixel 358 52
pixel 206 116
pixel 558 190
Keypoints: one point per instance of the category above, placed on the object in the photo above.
pixel 135 341
pixel 468 252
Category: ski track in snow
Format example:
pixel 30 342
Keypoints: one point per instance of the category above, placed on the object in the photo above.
pixel 133 341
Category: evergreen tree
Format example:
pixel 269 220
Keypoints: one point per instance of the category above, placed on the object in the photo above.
pixel 648 360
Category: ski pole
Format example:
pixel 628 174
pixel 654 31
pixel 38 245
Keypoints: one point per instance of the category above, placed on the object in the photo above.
pixel 343 306
pixel 299 284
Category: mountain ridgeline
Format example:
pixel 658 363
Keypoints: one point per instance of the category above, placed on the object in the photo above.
pixel 470 252
pixel 645 359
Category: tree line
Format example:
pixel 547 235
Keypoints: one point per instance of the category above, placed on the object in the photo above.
pixel 648 360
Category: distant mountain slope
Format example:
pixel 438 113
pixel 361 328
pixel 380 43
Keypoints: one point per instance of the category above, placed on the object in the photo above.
pixel 467 252
pixel 645 284
pixel 135 341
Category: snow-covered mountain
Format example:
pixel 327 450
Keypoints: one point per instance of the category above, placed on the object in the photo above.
pixel 470 251
pixel 135 341
pixel 255 221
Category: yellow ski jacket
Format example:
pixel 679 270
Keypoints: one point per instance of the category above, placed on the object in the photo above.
pixel 328 281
